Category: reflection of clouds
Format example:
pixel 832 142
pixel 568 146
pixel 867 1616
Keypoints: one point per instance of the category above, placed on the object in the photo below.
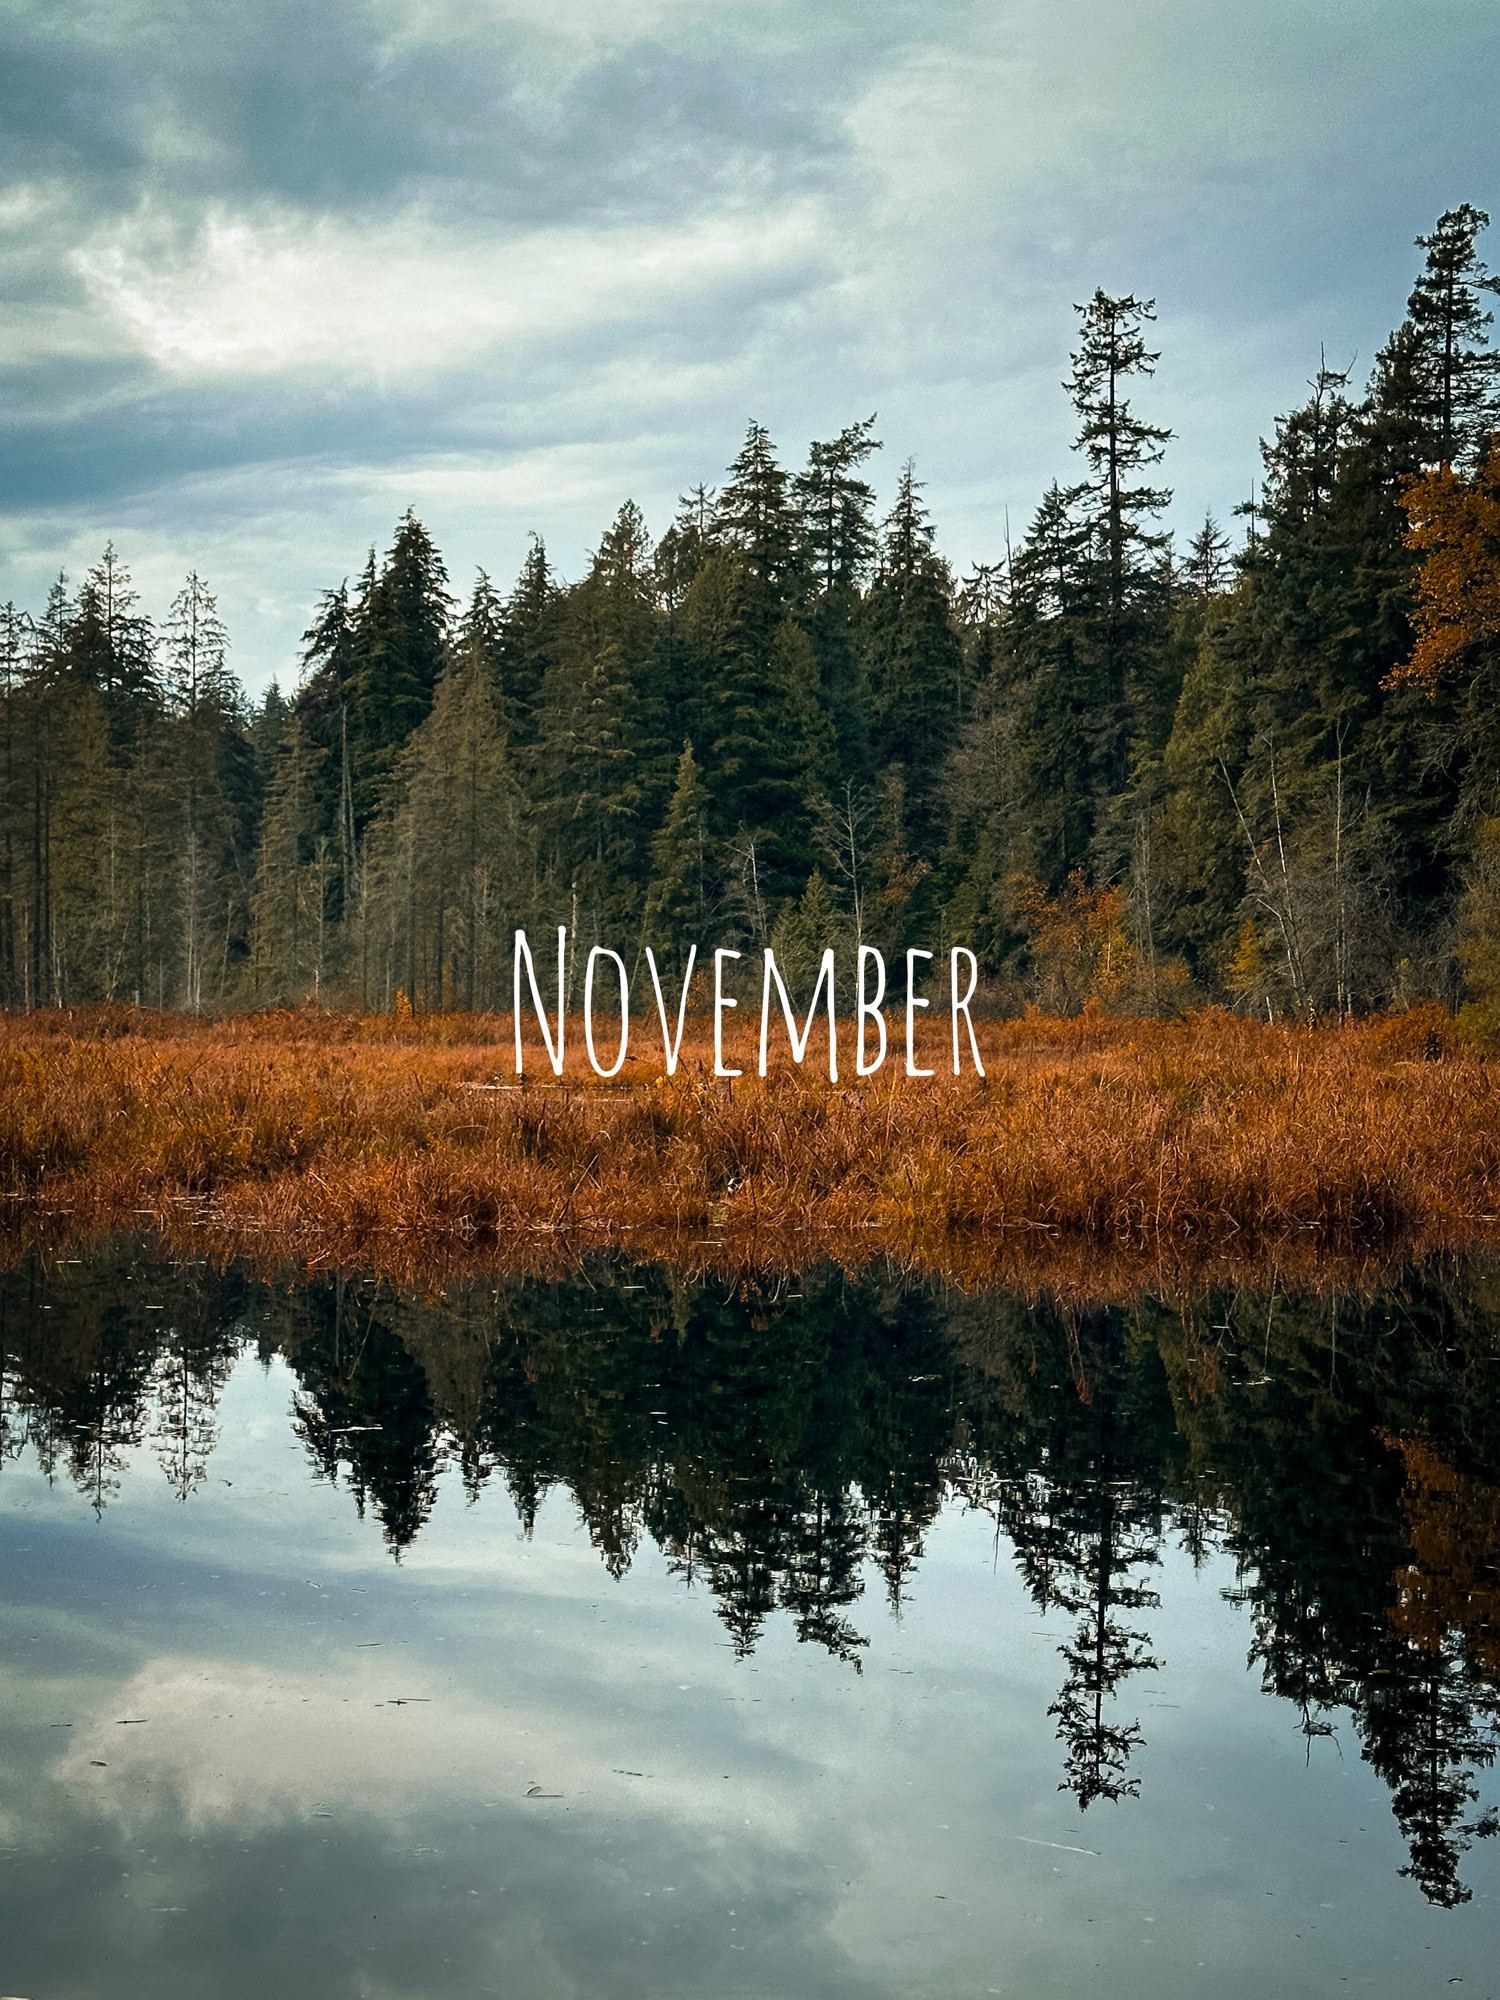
pixel 247 1748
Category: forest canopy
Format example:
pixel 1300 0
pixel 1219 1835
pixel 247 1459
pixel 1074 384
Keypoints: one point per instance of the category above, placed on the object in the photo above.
pixel 1258 769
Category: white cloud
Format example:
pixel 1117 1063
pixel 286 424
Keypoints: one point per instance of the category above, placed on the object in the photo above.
pixel 402 298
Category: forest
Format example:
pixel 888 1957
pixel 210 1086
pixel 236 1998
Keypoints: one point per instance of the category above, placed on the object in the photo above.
pixel 1258 770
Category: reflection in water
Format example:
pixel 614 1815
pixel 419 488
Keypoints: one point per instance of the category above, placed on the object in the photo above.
pixel 779 1440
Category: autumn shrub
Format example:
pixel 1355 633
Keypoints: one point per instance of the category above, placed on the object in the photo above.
pixel 1098 1136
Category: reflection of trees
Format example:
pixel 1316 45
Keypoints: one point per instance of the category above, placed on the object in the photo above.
pixel 1433 1722
pixel 103 1354
pixel 1429 1726
pixel 187 1378
pixel 364 1408
pixel 757 1438
pixel 1104 1543
pixel 1359 1548
pixel 781 1443
pixel 1084 1510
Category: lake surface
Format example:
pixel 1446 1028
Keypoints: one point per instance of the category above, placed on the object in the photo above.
pixel 648 1635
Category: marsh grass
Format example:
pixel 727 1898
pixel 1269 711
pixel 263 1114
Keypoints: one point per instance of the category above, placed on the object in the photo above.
pixel 1100 1150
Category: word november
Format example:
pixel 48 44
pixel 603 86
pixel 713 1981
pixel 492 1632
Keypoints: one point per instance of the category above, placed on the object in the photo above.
pixel 867 1010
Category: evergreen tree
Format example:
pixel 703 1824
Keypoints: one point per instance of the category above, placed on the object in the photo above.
pixel 761 714
pixel 211 792
pixel 680 896
pixel 914 663
pixel 325 701
pixel 836 510
pixel 1127 580
pixel 805 930
pixel 1460 375
pixel 1207 569
pixel 111 647
pixel 755 518
pixel 599 753
pixel 1059 717
pixel 450 866
pixel 523 652
pixel 289 936
pixel 400 649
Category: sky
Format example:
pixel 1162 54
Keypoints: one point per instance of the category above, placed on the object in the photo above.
pixel 270 273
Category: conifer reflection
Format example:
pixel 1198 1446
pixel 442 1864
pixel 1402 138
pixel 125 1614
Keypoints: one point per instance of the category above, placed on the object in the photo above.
pixel 787 1444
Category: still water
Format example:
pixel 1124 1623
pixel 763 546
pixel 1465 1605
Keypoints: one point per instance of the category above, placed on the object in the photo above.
pixel 655 1635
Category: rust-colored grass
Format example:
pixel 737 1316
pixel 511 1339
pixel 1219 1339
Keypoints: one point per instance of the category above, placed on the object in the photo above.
pixel 1102 1151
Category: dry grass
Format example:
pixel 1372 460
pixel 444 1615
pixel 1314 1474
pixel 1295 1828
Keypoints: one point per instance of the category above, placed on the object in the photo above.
pixel 1098 1153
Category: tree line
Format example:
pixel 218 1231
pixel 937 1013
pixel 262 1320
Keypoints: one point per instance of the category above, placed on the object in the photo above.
pixel 1116 768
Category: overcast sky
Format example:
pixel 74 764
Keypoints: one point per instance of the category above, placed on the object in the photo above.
pixel 275 269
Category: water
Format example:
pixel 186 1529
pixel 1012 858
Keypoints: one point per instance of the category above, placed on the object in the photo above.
pixel 642 1636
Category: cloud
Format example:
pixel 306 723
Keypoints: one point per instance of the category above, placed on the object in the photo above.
pixel 229 1745
pixel 400 298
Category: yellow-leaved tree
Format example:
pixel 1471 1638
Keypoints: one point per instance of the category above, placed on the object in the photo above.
pixel 1455 527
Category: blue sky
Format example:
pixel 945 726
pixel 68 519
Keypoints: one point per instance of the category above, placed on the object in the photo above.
pixel 270 272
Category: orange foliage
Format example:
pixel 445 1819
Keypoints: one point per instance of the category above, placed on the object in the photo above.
pixel 1453 1581
pixel 1096 1148
pixel 1078 942
pixel 1455 526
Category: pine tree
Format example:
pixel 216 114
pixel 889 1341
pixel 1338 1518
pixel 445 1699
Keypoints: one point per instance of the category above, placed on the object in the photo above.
pixel 1118 446
pixel 325 700
pixel 1060 719
pixel 112 648
pixel 805 930
pixel 63 786
pixel 914 662
pixel 598 760
pixel 289 906
pixel 680 897
pixel 400 649
pixel 839 541
pixel 450 866
pixel 1461 377
pixel 207 728
pixel 524 650
pixel 763 714
pixel 1208 568
pixel 836 508
pixel 754 517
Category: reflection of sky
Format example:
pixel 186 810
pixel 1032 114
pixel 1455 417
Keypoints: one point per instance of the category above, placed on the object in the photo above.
pixel 270 272
pixel 326 1790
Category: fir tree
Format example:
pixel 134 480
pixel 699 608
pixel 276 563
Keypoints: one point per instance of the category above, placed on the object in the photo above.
pixel 325 700
pixel 400 648
pixel 839 541
pixel 598 756
pixel 525 638
pixel 450 868
pixel 207 729
pixel 679 899
pixel 1118 446
pixel 1461 376
pixel 111 647
pixel 289 905
pixel 914 662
